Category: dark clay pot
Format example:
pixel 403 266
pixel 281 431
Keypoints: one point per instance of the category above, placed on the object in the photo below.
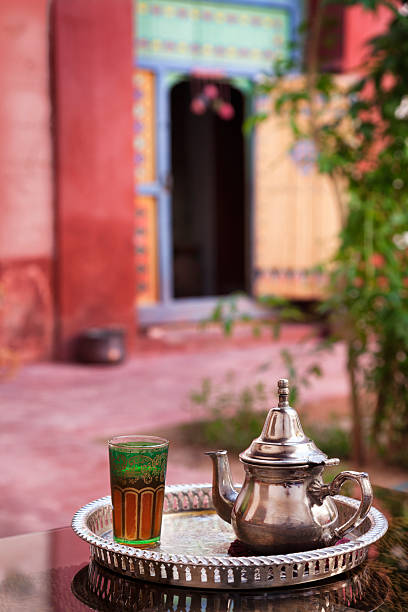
pixel 101 345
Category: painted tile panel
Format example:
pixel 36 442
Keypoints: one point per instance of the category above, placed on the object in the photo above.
pixel 209 33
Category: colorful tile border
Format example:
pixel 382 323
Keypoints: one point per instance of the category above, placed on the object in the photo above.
pixel 144 131
pixel 291 283
pixel 146 248
pixel 201 33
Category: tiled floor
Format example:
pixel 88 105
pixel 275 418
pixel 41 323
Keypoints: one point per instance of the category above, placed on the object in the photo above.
pixel 56 418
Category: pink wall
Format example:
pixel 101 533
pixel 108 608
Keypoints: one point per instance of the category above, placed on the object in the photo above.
pixel 359 26
pixel 26 212
pixel 94 166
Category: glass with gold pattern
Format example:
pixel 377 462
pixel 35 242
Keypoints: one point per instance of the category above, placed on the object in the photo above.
pixel 137 473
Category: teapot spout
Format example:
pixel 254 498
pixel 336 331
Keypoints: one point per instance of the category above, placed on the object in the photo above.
pixel 223 492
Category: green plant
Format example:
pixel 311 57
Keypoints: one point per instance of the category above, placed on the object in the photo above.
pixel 332 439
pixel 359 130
pixel 231 418
pixel 227 314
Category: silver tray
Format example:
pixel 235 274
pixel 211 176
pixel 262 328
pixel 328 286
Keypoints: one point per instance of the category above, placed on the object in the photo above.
pixel 106 591
pixel 194 544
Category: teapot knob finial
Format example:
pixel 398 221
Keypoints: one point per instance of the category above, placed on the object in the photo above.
pixel 283 391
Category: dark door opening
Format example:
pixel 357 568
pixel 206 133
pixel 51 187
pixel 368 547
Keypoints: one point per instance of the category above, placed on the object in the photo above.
pixel 208 198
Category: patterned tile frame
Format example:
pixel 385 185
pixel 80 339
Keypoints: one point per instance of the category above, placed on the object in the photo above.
pixel 211 32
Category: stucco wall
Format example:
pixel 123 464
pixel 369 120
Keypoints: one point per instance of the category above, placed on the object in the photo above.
pixel 360 26
pixel 95 266
pixel 25 145
pixel 26 211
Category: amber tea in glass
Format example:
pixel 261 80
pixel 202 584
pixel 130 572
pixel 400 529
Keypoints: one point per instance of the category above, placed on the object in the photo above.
pixel 137 474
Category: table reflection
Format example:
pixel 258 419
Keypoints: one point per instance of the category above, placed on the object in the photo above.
pixel 101 589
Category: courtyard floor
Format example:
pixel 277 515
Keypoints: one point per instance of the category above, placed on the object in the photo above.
pixel 55 418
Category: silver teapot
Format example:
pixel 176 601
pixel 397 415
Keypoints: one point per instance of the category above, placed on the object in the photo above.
pixel 283 505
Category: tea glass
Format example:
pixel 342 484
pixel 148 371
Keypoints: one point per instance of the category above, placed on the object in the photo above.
pixel 137 474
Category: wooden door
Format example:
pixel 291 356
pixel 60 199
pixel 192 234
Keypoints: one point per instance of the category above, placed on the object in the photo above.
pixel 296 221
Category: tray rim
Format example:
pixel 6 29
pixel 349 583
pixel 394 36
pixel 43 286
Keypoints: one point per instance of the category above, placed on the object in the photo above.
pixel 326 586
pixel 379 526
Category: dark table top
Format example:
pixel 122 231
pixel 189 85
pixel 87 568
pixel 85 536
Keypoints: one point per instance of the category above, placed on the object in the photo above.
pixel 48 572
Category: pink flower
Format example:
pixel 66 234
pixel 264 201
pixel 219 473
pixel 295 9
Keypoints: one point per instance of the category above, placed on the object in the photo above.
pixel 198 106
pixel 377 260
pixel 211 91
pixel 226 111
pixel 358 281
pixel 383 282
pixel 405 281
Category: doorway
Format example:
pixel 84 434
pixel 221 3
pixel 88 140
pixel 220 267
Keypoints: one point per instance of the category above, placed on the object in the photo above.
pixel 208 195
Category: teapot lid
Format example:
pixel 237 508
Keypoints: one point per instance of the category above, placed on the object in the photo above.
pixel 283 441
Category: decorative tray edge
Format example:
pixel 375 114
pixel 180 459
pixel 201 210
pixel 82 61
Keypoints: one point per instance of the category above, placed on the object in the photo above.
pixel 80 527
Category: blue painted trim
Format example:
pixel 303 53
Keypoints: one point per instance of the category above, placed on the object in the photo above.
pixel 297 17
pixel 148 189
pixel 185 67
pixel 261 3
pixel 164 201
pixel 170 308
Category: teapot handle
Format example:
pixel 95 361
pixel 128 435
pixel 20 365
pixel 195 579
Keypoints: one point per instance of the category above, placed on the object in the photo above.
pixel 361 478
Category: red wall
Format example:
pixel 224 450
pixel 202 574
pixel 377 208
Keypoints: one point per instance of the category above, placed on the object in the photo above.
pixel 359 26
pixel 95 275
pixel 26 201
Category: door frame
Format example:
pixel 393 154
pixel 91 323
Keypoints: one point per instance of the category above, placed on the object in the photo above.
pixel 169 308
pixel 167 74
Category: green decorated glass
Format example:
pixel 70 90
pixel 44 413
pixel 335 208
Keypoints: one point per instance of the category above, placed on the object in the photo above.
pixel 137 473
